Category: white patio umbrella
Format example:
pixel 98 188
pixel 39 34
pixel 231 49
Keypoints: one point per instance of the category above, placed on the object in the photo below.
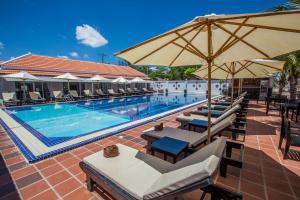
pixel 255 68
pixel 121 80
pixel 22 76
pixel 220 39
pixel 68 77
pixel 97 78
pixel 138 80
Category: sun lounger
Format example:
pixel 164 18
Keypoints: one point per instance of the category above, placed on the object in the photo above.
pixel 138 91
pixel 58 95
pixel 75 95
pixel 146 91
pixel 89 94
pixel 136 175
pixel 184 120
pixel 130 91
pixel 10 99
pixel 194 139
pixel 35 97
pixel 113 93
pixel 101 93
pixel 122 91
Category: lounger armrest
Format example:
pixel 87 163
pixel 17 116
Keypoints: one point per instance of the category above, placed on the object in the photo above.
pixel 236 131
pixel 240 119
pixel 238 124
pixel 220 192
pixel 228 160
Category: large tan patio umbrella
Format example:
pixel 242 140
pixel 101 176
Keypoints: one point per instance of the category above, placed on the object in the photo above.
pixel 255 68
pixel 22 76
pixel 220 39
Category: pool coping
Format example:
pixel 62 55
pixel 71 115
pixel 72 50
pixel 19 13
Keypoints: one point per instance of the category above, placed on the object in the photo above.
pixel 31 157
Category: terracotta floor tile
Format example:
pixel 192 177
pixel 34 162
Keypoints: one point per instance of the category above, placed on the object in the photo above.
pixel 59 177
pixel 253 177
pixel 79 194
pixel 67 186
pixel 49 195
pixel 230 181
pixel 34 189
pixel 45 163
pixel 252 188
pixel 23 172
pixel 276 195
pixel 64 156
pixel 276 184
pixel 81 177
pixel 262 163
pixel 51 170
pixel 75 169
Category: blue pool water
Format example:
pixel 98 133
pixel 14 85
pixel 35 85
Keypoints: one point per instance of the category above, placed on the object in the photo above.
pixel 55 123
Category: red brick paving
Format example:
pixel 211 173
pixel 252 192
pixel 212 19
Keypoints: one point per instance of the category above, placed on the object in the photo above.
pixel 265 175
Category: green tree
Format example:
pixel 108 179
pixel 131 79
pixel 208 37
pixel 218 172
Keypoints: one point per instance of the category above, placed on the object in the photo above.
pixel 292 65
pixel 280 80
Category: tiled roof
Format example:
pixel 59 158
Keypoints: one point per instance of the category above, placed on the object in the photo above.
pixel 52 66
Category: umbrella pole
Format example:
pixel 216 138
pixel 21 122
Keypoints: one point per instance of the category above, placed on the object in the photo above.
pixel 43 90
pixel 239 91
pixel 242 80
pixel 92 88
pixel 68 86
pixel 209 63
pixel 232 89
pixel 24 91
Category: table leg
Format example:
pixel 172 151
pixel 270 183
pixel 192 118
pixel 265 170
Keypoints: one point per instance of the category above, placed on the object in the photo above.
pixel 165 156
pixel 174 159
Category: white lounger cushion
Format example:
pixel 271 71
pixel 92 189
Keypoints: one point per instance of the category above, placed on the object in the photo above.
pixel 126 171
pixel 182 117
pixel 8 96
pixel 176 179
pixel 142 181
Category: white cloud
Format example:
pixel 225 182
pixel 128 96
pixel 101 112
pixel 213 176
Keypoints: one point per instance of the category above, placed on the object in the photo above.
pixel 74 54
pixel 89 36
pixel 66 57
pixel 1 45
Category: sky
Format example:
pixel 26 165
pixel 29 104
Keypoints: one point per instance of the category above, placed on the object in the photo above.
pixel 94 30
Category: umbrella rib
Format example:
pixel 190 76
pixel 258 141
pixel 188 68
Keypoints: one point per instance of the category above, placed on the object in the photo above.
pixel 190 50
pixel 158 37
pixel 186 46
pixel 262 27
pixel 246 68
pixel 231 36
pixel 266 65
pixel 233 43
pixel 164 45
pixel 229 70
pixel 191 45
pixel 240 39
pixel 243 66
pixel 266 14
pixel 217 67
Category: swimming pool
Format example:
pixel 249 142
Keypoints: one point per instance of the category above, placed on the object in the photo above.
pixel 58 124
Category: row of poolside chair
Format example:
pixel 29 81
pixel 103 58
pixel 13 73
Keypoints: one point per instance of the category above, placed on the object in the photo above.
pixel 137 175
pixel 10 98
pixel 73 94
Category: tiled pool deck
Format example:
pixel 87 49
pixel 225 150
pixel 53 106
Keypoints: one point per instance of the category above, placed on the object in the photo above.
pixel 265 175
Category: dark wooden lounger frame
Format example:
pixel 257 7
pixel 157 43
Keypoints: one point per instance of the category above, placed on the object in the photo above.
pixel 95 179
